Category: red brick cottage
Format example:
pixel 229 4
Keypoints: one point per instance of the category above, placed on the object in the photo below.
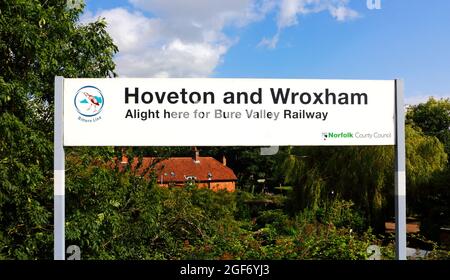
pixel 205 172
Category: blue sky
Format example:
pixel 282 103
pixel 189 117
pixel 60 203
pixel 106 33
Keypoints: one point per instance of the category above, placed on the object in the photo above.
pixel 407 39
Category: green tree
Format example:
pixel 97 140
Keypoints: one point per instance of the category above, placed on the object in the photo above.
pixel 433 118
pixel 431 191
pixel 425 158
pixel 320 175
pixel 249 165
pixel 39 39
pixel 364 175
pixel 433 205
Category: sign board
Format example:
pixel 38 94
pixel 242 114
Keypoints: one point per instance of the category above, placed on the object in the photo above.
pixel 228 112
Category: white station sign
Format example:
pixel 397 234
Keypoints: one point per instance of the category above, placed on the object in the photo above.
pixel 228 112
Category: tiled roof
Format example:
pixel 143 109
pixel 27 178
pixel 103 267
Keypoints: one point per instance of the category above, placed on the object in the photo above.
pixel 178 169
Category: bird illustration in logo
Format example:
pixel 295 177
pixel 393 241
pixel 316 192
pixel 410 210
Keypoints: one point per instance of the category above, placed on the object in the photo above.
pixel 94 101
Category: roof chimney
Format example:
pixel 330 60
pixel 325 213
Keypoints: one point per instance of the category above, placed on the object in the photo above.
pixel 124 160
pixel 196 155
pixel 224 160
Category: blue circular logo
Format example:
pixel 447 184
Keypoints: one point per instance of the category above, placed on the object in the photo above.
pixel 89 101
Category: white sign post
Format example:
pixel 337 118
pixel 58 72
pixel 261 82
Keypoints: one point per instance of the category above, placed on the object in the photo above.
pixel 59 173
pixel 400 174
pixel 228 112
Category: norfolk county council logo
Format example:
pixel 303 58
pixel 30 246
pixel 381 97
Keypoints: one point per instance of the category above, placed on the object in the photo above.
pixel 89 103
pixel 335 135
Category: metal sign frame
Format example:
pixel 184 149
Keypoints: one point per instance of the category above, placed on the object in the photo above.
pixel 59 172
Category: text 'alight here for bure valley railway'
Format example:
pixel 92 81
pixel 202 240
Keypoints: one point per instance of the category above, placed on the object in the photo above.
pixel 277 96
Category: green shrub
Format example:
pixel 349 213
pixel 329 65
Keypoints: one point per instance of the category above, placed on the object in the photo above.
pixel 328 242
pixel 276 219
pixel 342 214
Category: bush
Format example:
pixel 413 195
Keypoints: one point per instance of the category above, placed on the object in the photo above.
pixel 216 205
pixel 341 214
pixel 328 242
pixel 277 220
pixel 116 215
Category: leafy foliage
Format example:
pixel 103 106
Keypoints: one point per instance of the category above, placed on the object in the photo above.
pixel 433 118
pixel 425 155
pixel 25 192
pixel 113 214
pixel 38 41
pixel 431 190
pixel 318 177
pixel 364 175
pixel 249 165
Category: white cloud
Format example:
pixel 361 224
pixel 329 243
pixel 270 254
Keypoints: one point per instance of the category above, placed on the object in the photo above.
pixel 290 11
pixel 187 38
pixel 181 39
pixel 131 31
pixel 287 15
pixel 175 59
pixel 343 13
pixel 270 43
